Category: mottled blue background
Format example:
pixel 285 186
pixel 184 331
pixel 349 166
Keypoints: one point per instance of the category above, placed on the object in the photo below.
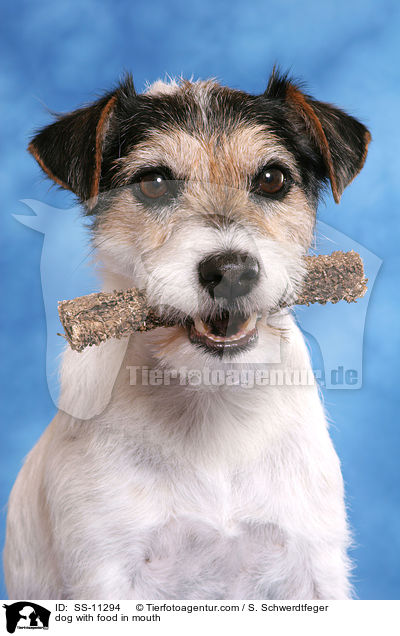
pixel 61 54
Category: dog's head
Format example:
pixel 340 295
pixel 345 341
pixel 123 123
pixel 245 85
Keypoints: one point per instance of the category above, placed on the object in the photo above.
pixel 205 197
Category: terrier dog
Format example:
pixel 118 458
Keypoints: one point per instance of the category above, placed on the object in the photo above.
pixel 205 197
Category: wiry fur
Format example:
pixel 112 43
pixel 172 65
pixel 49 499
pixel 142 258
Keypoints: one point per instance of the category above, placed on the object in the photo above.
pixel 171 491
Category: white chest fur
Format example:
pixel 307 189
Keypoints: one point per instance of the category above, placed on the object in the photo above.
pixel 171 493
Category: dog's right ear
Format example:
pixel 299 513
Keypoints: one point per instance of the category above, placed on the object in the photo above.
pixel 70 150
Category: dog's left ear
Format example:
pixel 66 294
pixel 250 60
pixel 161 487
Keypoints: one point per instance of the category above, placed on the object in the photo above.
pixel 341 140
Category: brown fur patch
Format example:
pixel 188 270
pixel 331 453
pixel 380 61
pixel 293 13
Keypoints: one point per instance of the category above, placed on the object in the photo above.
pixel 291 221
pixel 223 159
pixel 126 223
pixel 101 130
pixel 35 153
pixel 217 170
pixel 299 101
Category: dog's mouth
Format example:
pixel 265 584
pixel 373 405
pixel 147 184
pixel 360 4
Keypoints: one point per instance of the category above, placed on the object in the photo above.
pixel 230 332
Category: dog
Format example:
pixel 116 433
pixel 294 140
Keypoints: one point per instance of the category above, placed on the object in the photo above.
pixel 157 484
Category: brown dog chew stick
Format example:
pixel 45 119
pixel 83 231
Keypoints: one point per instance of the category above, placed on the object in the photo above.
pixel 333 277
pixel 90 320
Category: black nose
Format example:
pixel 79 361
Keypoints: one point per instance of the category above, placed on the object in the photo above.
pixel 229 275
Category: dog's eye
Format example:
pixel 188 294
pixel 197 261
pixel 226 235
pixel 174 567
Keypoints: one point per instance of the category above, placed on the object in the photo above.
pixel 153 185
pixel 269 181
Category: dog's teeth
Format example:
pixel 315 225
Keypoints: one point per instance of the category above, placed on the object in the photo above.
pixel 250 323
pixel 211 336
pixel 247 327
pixel 200 326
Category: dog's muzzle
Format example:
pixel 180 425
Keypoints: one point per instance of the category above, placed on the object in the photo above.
pixel 226 277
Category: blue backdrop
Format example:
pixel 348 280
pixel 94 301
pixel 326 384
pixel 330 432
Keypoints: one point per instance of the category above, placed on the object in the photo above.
pixel 60 55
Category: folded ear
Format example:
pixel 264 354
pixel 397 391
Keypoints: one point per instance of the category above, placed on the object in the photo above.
pixel 341 140
pixel 70 150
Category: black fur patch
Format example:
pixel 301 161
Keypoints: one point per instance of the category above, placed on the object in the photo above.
pixel 66 149
pixel 224 111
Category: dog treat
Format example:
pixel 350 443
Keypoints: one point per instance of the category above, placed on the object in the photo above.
pixel 333 277
pixel 90 320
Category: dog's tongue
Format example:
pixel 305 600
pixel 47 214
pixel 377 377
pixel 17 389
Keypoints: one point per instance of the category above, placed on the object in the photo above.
pixel 226 325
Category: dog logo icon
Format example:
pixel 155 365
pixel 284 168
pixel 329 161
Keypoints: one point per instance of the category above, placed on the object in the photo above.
pixel 26 615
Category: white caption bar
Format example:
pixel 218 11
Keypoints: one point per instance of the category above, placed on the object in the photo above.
pixel 193 617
